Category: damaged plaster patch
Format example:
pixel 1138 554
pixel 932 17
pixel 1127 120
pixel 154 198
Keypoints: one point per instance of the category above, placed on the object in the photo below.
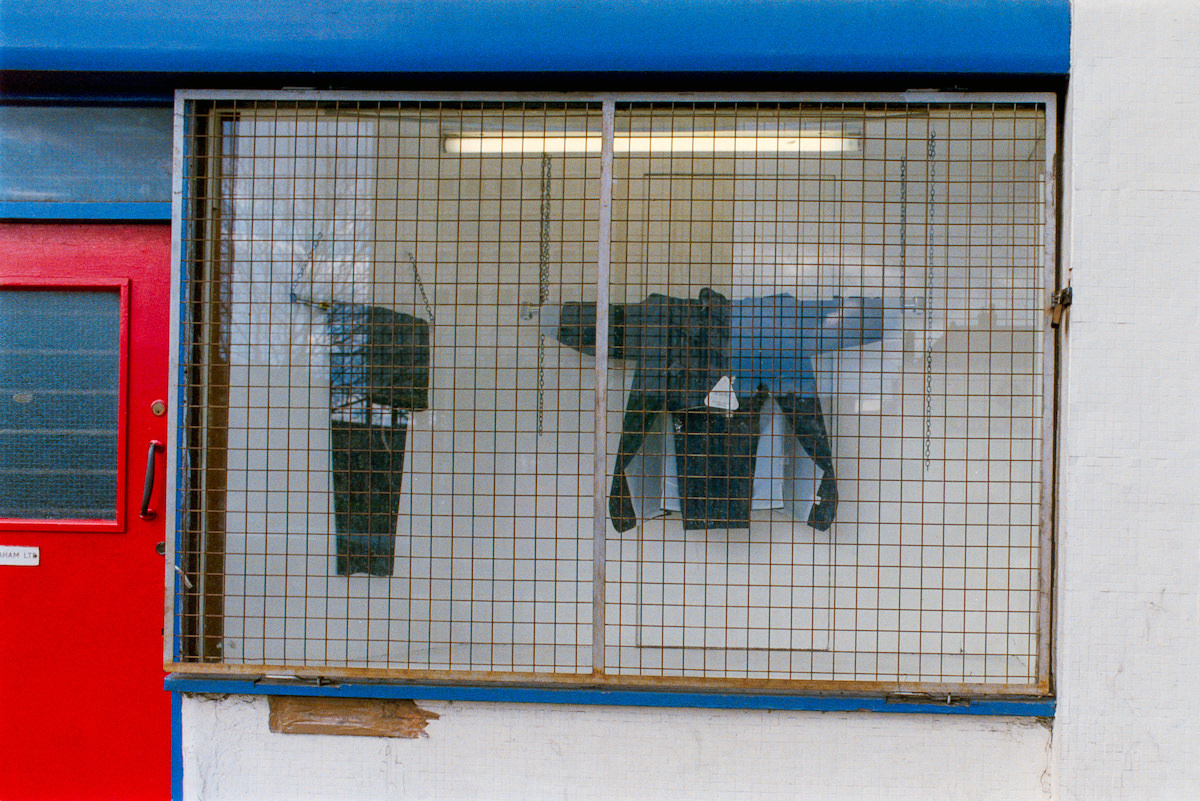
pixel 361 717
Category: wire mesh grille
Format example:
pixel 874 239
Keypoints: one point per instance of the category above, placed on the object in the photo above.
pixel 661 392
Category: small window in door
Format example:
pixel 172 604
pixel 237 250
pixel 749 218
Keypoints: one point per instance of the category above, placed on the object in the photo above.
pixel 60 384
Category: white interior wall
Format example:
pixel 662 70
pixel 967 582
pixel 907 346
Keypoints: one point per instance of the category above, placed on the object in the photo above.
pixel 494 542
pixel 815 228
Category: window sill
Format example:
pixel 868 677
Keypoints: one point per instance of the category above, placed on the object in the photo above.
pixel 1016 707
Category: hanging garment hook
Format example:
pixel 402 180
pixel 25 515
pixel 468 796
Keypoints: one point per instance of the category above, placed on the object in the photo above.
pixel 412 260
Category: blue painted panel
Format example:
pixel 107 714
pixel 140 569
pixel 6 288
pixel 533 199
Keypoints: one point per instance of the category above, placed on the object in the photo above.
pixel 85 162
pixel 598 697
pixel 56 210
pixel 313 36
pixel 176 747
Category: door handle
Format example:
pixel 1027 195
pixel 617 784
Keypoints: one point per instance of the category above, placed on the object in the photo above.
pixel 148 488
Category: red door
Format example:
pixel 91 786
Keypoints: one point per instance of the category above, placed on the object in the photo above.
pixel 84 317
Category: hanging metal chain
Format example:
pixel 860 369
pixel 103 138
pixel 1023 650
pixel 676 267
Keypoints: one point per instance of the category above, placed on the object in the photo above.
pixel 543 287
pixel 928 411
pixel 544 236
pixel 420 286
pixel 904 232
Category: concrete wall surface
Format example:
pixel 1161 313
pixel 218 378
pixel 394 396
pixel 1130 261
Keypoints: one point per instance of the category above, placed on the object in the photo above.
pixel 1128 558
pixel 530 751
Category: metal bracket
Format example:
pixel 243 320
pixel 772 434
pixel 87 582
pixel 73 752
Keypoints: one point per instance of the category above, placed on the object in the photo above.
pixel 292 679
pixel 927 698
pixel 1059 302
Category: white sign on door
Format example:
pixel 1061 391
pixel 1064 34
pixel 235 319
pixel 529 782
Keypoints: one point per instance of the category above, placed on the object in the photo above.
pixel 19 555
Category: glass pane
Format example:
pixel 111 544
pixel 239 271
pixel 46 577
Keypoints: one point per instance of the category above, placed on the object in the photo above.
pixel 85 154
pixel 831 318
pixel 59 382
pixel 393 407
pixel 820 453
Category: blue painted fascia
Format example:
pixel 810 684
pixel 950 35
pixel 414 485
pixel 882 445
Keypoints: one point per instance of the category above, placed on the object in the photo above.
pixel 1032 707
pixel 69 210
pixel 539 36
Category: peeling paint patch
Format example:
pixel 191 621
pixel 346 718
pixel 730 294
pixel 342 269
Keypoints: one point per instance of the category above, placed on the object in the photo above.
pixel 361 717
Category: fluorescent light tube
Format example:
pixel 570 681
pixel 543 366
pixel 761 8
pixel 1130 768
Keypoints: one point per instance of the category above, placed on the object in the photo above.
pixel 716 143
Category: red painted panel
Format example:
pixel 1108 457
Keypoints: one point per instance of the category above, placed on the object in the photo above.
pixel 82 711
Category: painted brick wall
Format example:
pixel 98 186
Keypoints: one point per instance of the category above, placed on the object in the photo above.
pixel 1129 555
pixel 532 751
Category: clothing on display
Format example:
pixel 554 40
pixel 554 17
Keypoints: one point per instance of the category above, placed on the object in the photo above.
pixel 763 350
pixel 379 365
pixel 367 462
pixel 378 355
pixel 715 456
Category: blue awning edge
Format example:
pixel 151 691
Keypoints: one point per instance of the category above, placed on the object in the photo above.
pixel 539 36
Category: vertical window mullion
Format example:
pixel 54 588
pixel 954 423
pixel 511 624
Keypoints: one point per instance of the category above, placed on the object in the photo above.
pixel 600 437
pixel 1048 411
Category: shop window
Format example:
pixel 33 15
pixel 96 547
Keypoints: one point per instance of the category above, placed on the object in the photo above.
pixel 629 391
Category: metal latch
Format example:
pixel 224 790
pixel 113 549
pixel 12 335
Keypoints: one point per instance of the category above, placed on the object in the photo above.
pixel 1059 301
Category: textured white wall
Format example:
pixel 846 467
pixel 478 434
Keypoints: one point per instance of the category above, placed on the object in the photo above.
pixel 1128 723
pixel 532 751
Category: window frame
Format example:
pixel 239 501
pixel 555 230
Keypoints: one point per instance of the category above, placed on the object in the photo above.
pixel 625 683
pixel 112 166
